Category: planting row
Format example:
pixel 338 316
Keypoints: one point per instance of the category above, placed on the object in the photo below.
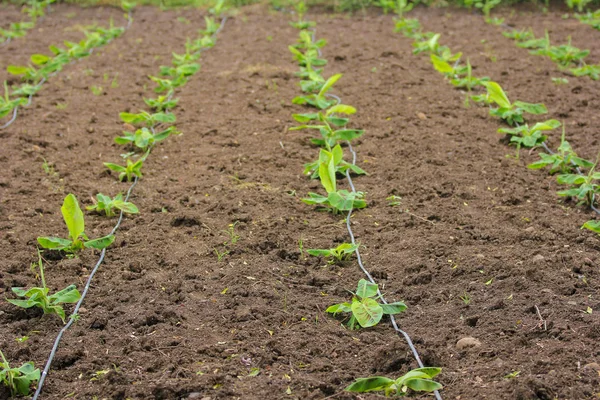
pixel 43 67
pixel 577 173
pixel 34 10
pixel 367 306
pixel 152 127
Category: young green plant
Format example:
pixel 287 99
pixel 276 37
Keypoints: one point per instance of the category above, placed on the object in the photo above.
pixel 77 240
pixel 364 309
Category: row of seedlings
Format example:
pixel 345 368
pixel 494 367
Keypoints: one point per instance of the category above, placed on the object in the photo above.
pixel 152 129
pixel 331 119
pixel 590 18
pixel 576 172
pixel 34 9
pixel 43 67
pixel 567 57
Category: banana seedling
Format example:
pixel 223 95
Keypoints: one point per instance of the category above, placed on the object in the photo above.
pixel 411 27
pixel 418 380
pixel 593 71
pixel 336 200
pixel 73 217
pixel 319 100
pixel 131 169
pixel 18 380
pixel 329 122
pixel 144 138
pixel 7 105
pixel 511 113
pixel 565 160
pixel 432 46
pixel 365 310
pixel 145 118
pixel 338 254
pixel 38 297
pixel 168 85
pixel 523 136
pixel 106 204
pixel 162 103
pixel 586 186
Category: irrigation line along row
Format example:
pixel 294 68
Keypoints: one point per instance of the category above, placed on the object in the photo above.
pixel 366 271
pixel 74 315
pixel 545 146
pixel 41 82
pixel 404 334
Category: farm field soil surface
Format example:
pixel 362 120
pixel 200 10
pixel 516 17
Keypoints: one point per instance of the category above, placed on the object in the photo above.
pixel 165 319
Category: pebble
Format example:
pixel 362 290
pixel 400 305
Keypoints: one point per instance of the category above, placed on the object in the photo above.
pixel 537 259
pixel 421 116
pixel 530 229
pixel 467 343
pixel 593 365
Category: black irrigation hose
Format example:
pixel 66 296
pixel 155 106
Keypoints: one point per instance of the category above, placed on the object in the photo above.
pixel 364 269
pixel 72 317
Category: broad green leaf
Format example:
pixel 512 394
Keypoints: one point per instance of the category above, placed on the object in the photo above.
pixel 319 252
pixel 16 70
pixel 393 308
pixel 337 154
pixel 328 84
pixel 570 179
pixel 497 95
pixel 54 243
pixel 303 118
pixel 422 385
pixel 115 167
pixel 327 174
pixel 338 308
pixel 341 109
pixel 367 312
pixel 73 216
pixel 39 59
pixel 592 225
pixel 441 65
pixel 348 134
pixel 375 383
pixel 100 243
pixel 535 109
pixel 70 294
pixel 546 125
pixel 366 289
pixel 126 207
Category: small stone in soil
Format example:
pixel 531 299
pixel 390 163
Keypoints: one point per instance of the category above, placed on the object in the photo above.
pixel 468 343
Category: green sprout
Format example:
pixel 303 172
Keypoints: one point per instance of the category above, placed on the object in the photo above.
pixel 106 204
pixel 73 217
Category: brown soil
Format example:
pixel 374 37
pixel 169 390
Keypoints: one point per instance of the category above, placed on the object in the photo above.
pixel 158 316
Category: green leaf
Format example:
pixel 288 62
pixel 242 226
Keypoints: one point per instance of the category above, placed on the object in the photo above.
pixel 375 383
pixel 328 84
pixel 100 243
pixel 592 225
pixel 341 109
pixel 39 59
pixel 497 95
pixel 73 217
pixel 338 308
pixel 422 385
pixel 393 308
pixel 70 294
pixel 535 109
pixel 54 243
pixel 319 252
pixel 546 125
pixel 367 312
pixel 17 70
pixel 366 289
pixel 441 65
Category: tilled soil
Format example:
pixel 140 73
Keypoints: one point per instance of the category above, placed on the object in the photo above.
pixel 167 320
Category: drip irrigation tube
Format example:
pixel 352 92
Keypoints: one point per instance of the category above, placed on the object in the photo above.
pixel 73 316
pixel 366 271
pixel 14 117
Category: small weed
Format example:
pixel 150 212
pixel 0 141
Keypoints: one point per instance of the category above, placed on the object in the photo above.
pixel 96 90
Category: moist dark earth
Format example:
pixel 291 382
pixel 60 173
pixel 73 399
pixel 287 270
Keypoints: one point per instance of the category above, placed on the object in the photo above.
pixel 165 319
